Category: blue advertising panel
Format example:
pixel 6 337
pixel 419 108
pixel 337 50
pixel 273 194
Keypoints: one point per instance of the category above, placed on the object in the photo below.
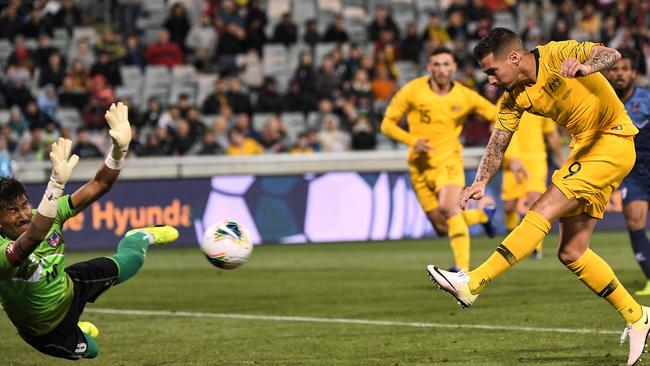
pixel 329 207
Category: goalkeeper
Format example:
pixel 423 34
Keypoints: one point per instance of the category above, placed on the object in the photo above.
pixel 41 298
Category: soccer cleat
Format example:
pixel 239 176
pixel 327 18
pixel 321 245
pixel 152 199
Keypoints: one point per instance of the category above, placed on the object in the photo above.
pixel 537 254
pixel 488 227
pixel 89 328
pixel 645 291
pixel 456 283
pixel 638 334
pixel 157 234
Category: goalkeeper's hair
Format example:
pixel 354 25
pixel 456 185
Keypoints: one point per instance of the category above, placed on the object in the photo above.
pixel 11 189
pixel 499 42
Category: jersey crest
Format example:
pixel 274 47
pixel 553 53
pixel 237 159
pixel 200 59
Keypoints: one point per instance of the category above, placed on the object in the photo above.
pixel 54 239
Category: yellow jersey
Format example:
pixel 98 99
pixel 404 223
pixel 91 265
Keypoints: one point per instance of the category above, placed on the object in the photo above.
pixel 584 106
pixel 249 147
pixel 437 118
pixel 528 141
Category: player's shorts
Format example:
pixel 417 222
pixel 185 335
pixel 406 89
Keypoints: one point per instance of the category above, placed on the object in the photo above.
pixel 633 189
pixel 537 170
pixel 90 279
pixel 594 169
pixel 427 179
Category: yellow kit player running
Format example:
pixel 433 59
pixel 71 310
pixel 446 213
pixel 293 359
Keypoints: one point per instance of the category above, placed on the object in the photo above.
pixel 436 109
pixel 527 153
pixel 560 80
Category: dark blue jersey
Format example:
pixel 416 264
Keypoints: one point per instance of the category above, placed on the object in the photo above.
pixel 638 107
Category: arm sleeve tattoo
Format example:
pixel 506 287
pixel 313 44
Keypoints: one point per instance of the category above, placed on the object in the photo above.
pixel 493 156
pixel 603 59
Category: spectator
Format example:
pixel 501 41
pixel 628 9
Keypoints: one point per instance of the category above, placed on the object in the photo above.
pixel 110 44
pixel 252 73
pixel 68 16
pixel 286 31
pixel 229 14
pixel 54 72
pixel 21 56
pixel 255 37
pixel 9 23
pixel 133 54
pixel 36 24
pixel 17 92
pixel 84 147
pixel 268 99
pixel 327 79
pixel 182 138
pixel 255 13
pixel 169 118
pixel 359 87
pixel 178 25
pixel 242 122
pixel 201 41
pixel 108 68
pixel 163 52
pixel 157 144
pixel 298 100
pixel 457 27
pixel 589 24
pixel 217 99
pixel 135 146
pixel 220 130
pixel 273 136
pixel 79 75
pixel 36 119
pixel 209 145
pixel 383 86
pixel 71 95
pixel 237 99
pixel 363 134
pixel 336 31
pixel 311 36
pixel 47 102
pixel 43 51
pixel 302 145
pixel 83 52
pixel 17 124
pixel 193 118
pixel 382 21
pixel 331 138
pixel 305 75
pixel 411 47
pixel 128 13
pixel 230 45
pixel 435 30
pixel 560 30
pixel 240 145
pixel 153 113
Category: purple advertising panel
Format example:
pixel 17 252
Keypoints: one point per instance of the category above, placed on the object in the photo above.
pixel 329 207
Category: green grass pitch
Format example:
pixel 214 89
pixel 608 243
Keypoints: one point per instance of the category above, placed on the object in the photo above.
pixel 383 282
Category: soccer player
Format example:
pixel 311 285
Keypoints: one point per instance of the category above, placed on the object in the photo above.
pixel 635 188
pixel 42 300
pixel 527 153
pixel 436 109
pixel 561 81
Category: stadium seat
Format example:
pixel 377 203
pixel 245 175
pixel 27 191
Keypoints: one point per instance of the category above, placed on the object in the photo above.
pixel 303 10
pixel 259 119
pixel 205 85
pixel 294 122
pixel 322 49
pixel 88 33
pixel 407 70
pixel 69 118
pixel 4 116
pixel 356 21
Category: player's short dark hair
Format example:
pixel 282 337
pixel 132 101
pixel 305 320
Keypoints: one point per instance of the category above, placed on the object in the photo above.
pixel 498 41
pixel 630 54
pixel 11 189
pixel 441 50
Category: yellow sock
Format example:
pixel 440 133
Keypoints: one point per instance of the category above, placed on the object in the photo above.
pixel 594 272
pixel 511 220
pixel 474 216
pixel 459 240
pixel 515 247
pixel 540 246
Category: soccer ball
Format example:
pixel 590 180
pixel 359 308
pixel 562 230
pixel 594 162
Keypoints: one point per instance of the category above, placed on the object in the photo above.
pixel 226 244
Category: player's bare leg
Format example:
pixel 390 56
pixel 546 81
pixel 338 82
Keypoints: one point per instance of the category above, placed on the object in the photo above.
pixel 636 216
pixel 438 222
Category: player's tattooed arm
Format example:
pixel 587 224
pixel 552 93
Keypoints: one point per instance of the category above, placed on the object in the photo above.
pixel 602 58
pixel 493 156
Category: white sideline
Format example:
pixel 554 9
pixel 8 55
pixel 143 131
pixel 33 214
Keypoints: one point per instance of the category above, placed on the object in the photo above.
pixel 340 321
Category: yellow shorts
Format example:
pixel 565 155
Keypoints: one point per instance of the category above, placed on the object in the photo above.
pixel 537 170
pixel 427 179
pixel 594 169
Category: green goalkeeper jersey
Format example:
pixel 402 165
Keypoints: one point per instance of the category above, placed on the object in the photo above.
pixel 37 294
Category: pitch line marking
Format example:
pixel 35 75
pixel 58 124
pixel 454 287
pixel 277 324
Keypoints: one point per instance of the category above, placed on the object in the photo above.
pixel 188 314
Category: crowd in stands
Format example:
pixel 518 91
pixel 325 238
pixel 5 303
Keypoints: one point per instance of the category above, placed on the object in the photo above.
pixel 340 94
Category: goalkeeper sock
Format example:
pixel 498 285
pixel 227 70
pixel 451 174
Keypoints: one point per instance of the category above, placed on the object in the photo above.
pixel 516 246
pixel 130 255
pixel 511 220
pixel 93 348
pixel 474 216
pixel 459 240
pixel 594 272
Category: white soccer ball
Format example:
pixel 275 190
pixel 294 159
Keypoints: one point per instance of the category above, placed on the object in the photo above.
pixel 226 244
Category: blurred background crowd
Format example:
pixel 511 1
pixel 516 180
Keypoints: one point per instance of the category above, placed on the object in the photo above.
pixel 241 77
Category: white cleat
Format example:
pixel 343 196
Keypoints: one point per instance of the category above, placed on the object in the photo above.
pixel 456 283
pixel 638 334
